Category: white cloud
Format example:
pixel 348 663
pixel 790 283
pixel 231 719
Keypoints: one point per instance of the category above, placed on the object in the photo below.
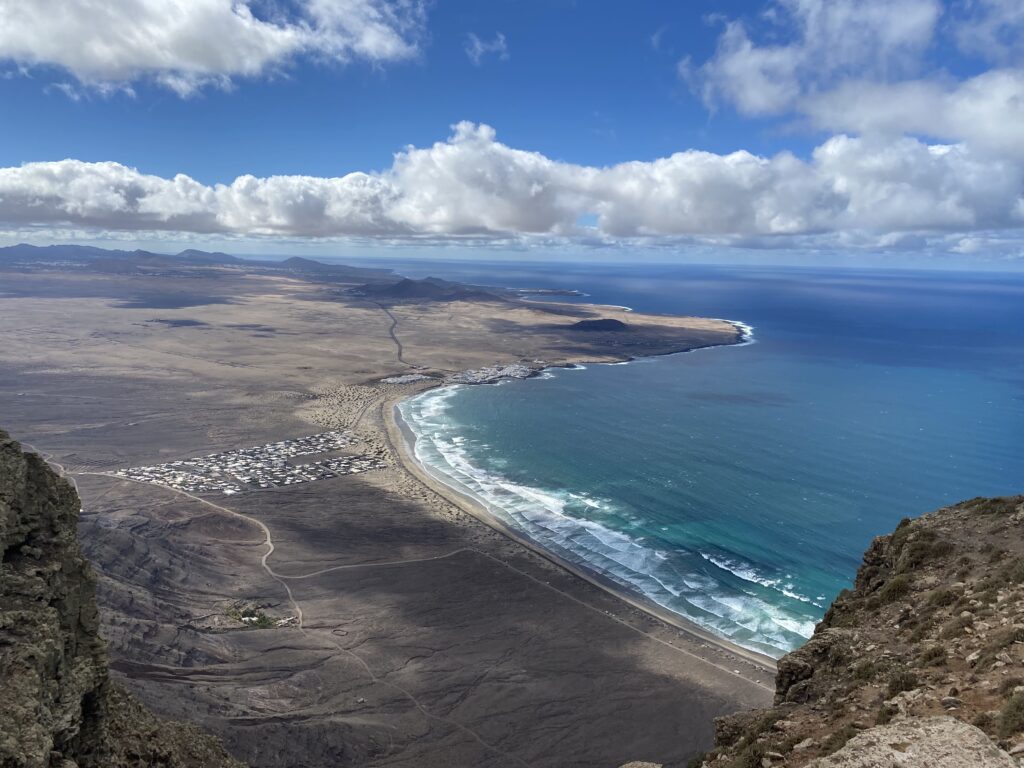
pixel 472 186
pixel 992 30
pixel 831 39
pixel 861 66
pixel 186 44
pixel 478 49
pixel 986 111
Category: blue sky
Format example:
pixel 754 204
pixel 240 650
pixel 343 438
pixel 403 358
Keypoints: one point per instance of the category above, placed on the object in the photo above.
pixel 839 107
pixel 582 82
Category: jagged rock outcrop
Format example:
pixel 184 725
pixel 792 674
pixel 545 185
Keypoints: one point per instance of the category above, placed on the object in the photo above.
pixel 931 741
pixel 920 665
pixel 58 707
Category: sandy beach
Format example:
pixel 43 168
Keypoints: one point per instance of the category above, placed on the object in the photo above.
pixel 702 644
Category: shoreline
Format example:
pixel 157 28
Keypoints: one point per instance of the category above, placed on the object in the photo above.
pixel 746 337
pixel 403 440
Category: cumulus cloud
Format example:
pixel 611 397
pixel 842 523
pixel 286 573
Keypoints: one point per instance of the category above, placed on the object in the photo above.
pixel 831 39
pixel 861 66
pixel 992 30
pixel 473 186
pixel 186 44
pixel 478 49
pixel 986 111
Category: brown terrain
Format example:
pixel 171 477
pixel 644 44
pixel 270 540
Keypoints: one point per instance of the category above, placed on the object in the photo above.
pixel 59 707
pixel 920 665
pixel 357 620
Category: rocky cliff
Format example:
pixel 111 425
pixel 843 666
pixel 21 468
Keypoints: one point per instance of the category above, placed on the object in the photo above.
pixel 58 707
pixel 920 665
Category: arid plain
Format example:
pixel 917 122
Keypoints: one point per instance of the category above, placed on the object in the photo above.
pixel 411 634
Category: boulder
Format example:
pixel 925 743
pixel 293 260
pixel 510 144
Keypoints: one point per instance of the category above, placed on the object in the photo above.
pixel 933 742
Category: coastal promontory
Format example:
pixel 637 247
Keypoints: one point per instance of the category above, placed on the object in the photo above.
pixel 919 665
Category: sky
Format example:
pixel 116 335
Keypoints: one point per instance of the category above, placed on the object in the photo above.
pixel 851 130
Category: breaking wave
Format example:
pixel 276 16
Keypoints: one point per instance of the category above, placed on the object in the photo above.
pixel 717 591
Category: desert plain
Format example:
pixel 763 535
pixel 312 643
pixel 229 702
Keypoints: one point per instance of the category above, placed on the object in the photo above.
pixel 370 619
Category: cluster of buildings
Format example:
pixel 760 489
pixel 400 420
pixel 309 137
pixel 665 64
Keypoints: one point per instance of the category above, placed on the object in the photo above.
pixel 406 378
pixel 493 373
pixel 263 466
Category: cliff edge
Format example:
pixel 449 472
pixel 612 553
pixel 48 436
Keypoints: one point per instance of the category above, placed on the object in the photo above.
pixel 58 707
pixel 920 665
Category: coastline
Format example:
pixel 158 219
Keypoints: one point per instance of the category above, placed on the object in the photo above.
pixel 745 338
pixel 403 440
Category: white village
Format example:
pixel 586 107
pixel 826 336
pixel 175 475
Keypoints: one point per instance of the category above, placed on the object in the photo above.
pixel 263 466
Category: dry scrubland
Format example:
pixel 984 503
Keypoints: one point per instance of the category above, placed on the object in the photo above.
pixel 426 638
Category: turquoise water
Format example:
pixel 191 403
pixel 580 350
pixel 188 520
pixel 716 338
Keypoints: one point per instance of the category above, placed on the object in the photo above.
pixel 738 486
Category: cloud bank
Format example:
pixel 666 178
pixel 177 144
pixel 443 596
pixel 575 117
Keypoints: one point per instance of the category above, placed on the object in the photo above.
pixel 863 66
pixel 472 186
pixel 187 44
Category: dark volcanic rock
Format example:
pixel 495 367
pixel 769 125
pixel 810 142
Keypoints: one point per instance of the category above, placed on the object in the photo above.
pixel 58 708
pixel 429 289
pixel 604 324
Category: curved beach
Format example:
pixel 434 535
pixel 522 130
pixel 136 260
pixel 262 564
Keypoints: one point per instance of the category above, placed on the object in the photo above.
pixel 403 442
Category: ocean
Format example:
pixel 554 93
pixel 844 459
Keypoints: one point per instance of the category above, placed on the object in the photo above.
pixel 739 486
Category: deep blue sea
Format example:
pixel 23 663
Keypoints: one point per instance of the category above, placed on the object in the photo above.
pixel 739 486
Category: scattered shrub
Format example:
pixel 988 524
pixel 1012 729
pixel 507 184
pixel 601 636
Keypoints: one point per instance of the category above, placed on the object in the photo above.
pixel 996 555
pixel 988 596
pixel 943 597
pixel 1013 572
pixel 933 656
pixel 984 720
pixel 838 656
pixel 750 757
pixel 924 548
pixel 902 681
pixel 1001 639
pixel 1009 684
pixel 1009 636
pixel 866 670
pixel 895 588
pixel 885 714
pixel 920 632
pixel 954 628
pixel 963 604
pixel 837 740
pixel 1011 719
pixel 998 506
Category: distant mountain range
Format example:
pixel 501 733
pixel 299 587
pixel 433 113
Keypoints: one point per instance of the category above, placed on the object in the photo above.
pixel 118 260
pixel 378 284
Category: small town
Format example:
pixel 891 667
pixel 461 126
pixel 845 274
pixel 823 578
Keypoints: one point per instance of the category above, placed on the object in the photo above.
pixel 263 466
pixel 494 373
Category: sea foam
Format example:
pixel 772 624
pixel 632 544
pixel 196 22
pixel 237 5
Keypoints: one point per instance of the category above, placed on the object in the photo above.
pixel 559 519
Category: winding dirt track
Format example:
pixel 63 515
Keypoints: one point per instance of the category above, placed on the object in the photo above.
pixel 283 581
